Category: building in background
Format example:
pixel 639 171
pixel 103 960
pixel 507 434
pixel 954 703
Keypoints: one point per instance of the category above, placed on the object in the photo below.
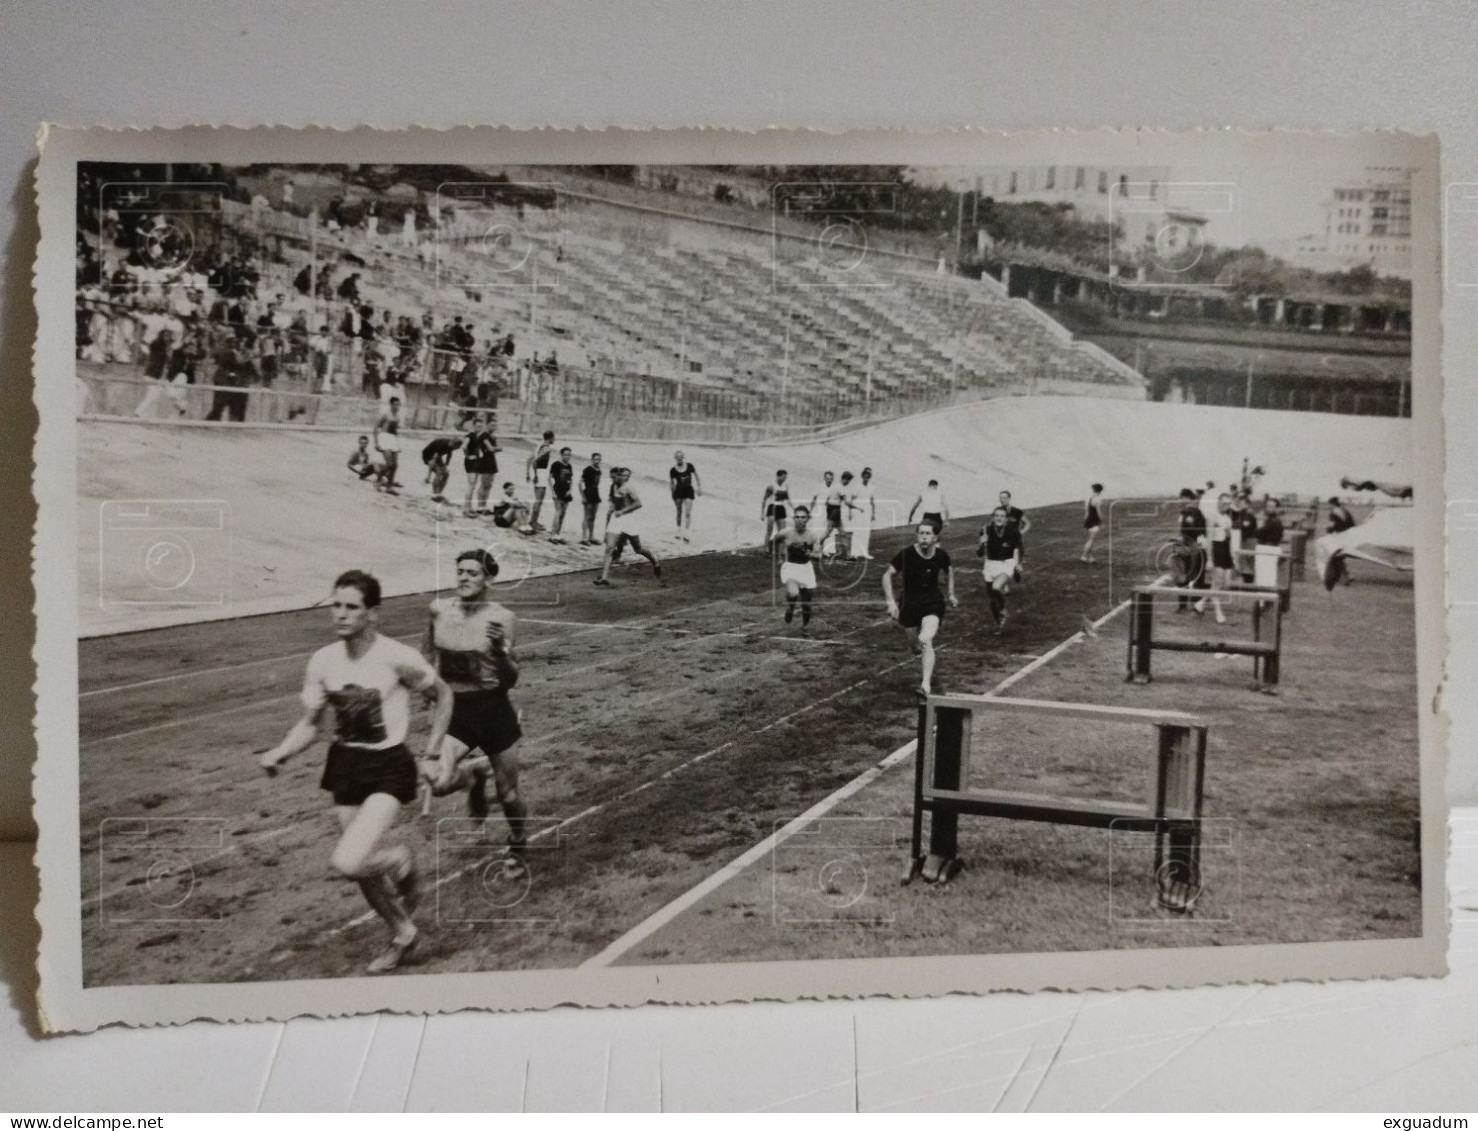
pixel 1366 223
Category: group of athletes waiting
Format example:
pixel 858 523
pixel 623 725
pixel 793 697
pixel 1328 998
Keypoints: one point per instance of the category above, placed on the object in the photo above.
pixel 552 477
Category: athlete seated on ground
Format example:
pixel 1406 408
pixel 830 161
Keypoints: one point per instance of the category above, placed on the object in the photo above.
pixel 1000 546
pixel 469 640
pixel 625 526
pixel 360 460
pixel 437 456
pixel 798 547
pixel 366 680
pixel 775 506
pixel 922 606
pixel 510 511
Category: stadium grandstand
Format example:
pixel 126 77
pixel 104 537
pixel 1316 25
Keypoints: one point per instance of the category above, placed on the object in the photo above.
pixel 607 313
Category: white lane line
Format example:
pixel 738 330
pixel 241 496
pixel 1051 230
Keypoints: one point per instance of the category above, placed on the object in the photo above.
pixel 666 775
pixel 664 915
pixel 640 623
pixel 529 647
pixel 198 672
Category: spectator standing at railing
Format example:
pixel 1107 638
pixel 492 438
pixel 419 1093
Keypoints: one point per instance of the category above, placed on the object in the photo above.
pixel 233 371
pixel 321 351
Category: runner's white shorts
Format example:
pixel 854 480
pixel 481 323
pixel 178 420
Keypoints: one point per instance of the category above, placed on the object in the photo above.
pixel 995 569
pixel 803 574
pixel 624 524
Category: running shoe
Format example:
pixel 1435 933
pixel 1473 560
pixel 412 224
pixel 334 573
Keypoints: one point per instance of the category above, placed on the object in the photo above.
pixel 393 955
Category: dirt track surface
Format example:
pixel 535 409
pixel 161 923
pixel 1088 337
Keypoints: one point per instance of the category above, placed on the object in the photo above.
pixel 666 730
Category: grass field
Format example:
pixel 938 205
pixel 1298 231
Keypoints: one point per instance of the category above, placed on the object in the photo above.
pixel 668 731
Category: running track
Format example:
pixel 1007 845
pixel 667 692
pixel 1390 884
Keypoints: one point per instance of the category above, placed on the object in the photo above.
pixel 666 729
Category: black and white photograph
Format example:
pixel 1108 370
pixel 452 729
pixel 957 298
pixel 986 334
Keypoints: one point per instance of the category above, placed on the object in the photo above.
pixel 973 548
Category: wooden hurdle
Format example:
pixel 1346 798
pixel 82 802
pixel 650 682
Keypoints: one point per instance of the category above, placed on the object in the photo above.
pixel 1266 653
pixel 1173 811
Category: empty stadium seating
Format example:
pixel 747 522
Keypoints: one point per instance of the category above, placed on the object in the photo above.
pixel 723 308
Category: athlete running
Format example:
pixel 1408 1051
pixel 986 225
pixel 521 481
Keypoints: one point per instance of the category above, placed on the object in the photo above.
pixel 922 607
pixel 469 639
pixel 932 507
pixel 624 527
pixel 798 548
pixel 366 680
pixel 1000 546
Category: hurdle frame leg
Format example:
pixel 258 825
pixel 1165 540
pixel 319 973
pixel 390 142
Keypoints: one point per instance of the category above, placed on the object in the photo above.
pixel 1141 637
pixel 951 741
pixel 1179 795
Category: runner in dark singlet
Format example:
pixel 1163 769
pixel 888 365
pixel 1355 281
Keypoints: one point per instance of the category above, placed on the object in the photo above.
pixel 919 567
pixel 683 478
pixel 561 479
pixel 1092 521
pixel 799 549
pixel 469 639
pixel 590 500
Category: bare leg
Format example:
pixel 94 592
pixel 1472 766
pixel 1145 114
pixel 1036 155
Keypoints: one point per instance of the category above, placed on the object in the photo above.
pixel 927 629
pixel 385 873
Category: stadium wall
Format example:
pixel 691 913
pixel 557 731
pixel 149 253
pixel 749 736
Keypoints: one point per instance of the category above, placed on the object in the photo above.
pixel 296 514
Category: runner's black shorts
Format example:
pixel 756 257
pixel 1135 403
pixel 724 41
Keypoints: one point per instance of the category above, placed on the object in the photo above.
pixel 484 720
pixel 834 513
pixel 934 519
pixel 777 511
pixel 1221 554
pixel 680 493
pixel 352 774
pixel 912 612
